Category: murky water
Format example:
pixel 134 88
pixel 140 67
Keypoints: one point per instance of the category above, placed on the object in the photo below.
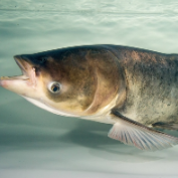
pixel 35 143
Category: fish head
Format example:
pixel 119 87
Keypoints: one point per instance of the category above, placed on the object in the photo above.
pixel 67 82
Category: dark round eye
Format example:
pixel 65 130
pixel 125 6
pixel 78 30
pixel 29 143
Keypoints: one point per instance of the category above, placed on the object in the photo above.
pixel 54 87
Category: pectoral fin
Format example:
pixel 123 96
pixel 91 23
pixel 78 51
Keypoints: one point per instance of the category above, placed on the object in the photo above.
pixel 138 135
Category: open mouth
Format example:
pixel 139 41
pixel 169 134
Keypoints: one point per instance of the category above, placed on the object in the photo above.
pixel 24 66
pixel 28 72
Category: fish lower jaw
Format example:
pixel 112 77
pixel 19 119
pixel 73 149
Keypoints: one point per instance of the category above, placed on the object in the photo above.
pixel 21 77
pixel 22 80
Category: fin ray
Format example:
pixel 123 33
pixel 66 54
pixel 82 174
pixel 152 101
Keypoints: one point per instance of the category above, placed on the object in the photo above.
pixel 140 136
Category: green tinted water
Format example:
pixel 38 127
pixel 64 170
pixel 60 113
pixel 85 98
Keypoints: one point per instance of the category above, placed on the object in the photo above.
pixel 38 142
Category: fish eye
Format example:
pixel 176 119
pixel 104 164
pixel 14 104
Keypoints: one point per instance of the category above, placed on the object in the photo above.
pixel 54 87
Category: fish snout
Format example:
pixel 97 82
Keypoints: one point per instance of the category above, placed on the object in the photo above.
pixel 4 81
pixel 21 57
pixel 16 57
pixel 1 82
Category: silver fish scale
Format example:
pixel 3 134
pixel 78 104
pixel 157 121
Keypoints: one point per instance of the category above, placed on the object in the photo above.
pixel 152 91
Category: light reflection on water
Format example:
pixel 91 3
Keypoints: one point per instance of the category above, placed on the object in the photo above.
pixel 31 138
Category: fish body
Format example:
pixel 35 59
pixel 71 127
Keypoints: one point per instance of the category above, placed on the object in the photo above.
pixel 152 85
pixel 134 89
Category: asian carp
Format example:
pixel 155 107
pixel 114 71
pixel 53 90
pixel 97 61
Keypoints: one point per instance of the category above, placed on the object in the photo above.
pixel 133 89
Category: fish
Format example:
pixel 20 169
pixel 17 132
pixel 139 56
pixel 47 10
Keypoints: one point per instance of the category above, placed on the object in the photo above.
pixel 134 90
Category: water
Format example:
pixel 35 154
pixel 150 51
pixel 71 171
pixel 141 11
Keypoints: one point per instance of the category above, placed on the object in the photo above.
pixel 35 143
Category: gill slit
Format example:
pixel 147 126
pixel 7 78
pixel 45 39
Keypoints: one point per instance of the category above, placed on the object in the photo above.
pixel 94 98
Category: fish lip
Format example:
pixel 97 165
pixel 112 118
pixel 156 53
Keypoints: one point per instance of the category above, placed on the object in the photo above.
pixel 28 76
pixel 19 62
pixel 24 67
pixel 28 70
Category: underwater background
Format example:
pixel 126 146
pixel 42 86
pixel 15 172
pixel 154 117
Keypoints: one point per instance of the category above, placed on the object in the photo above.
pixel 35 143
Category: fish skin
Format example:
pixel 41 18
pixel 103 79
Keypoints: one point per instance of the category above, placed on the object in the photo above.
pixel 96 80
pixel 152 85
